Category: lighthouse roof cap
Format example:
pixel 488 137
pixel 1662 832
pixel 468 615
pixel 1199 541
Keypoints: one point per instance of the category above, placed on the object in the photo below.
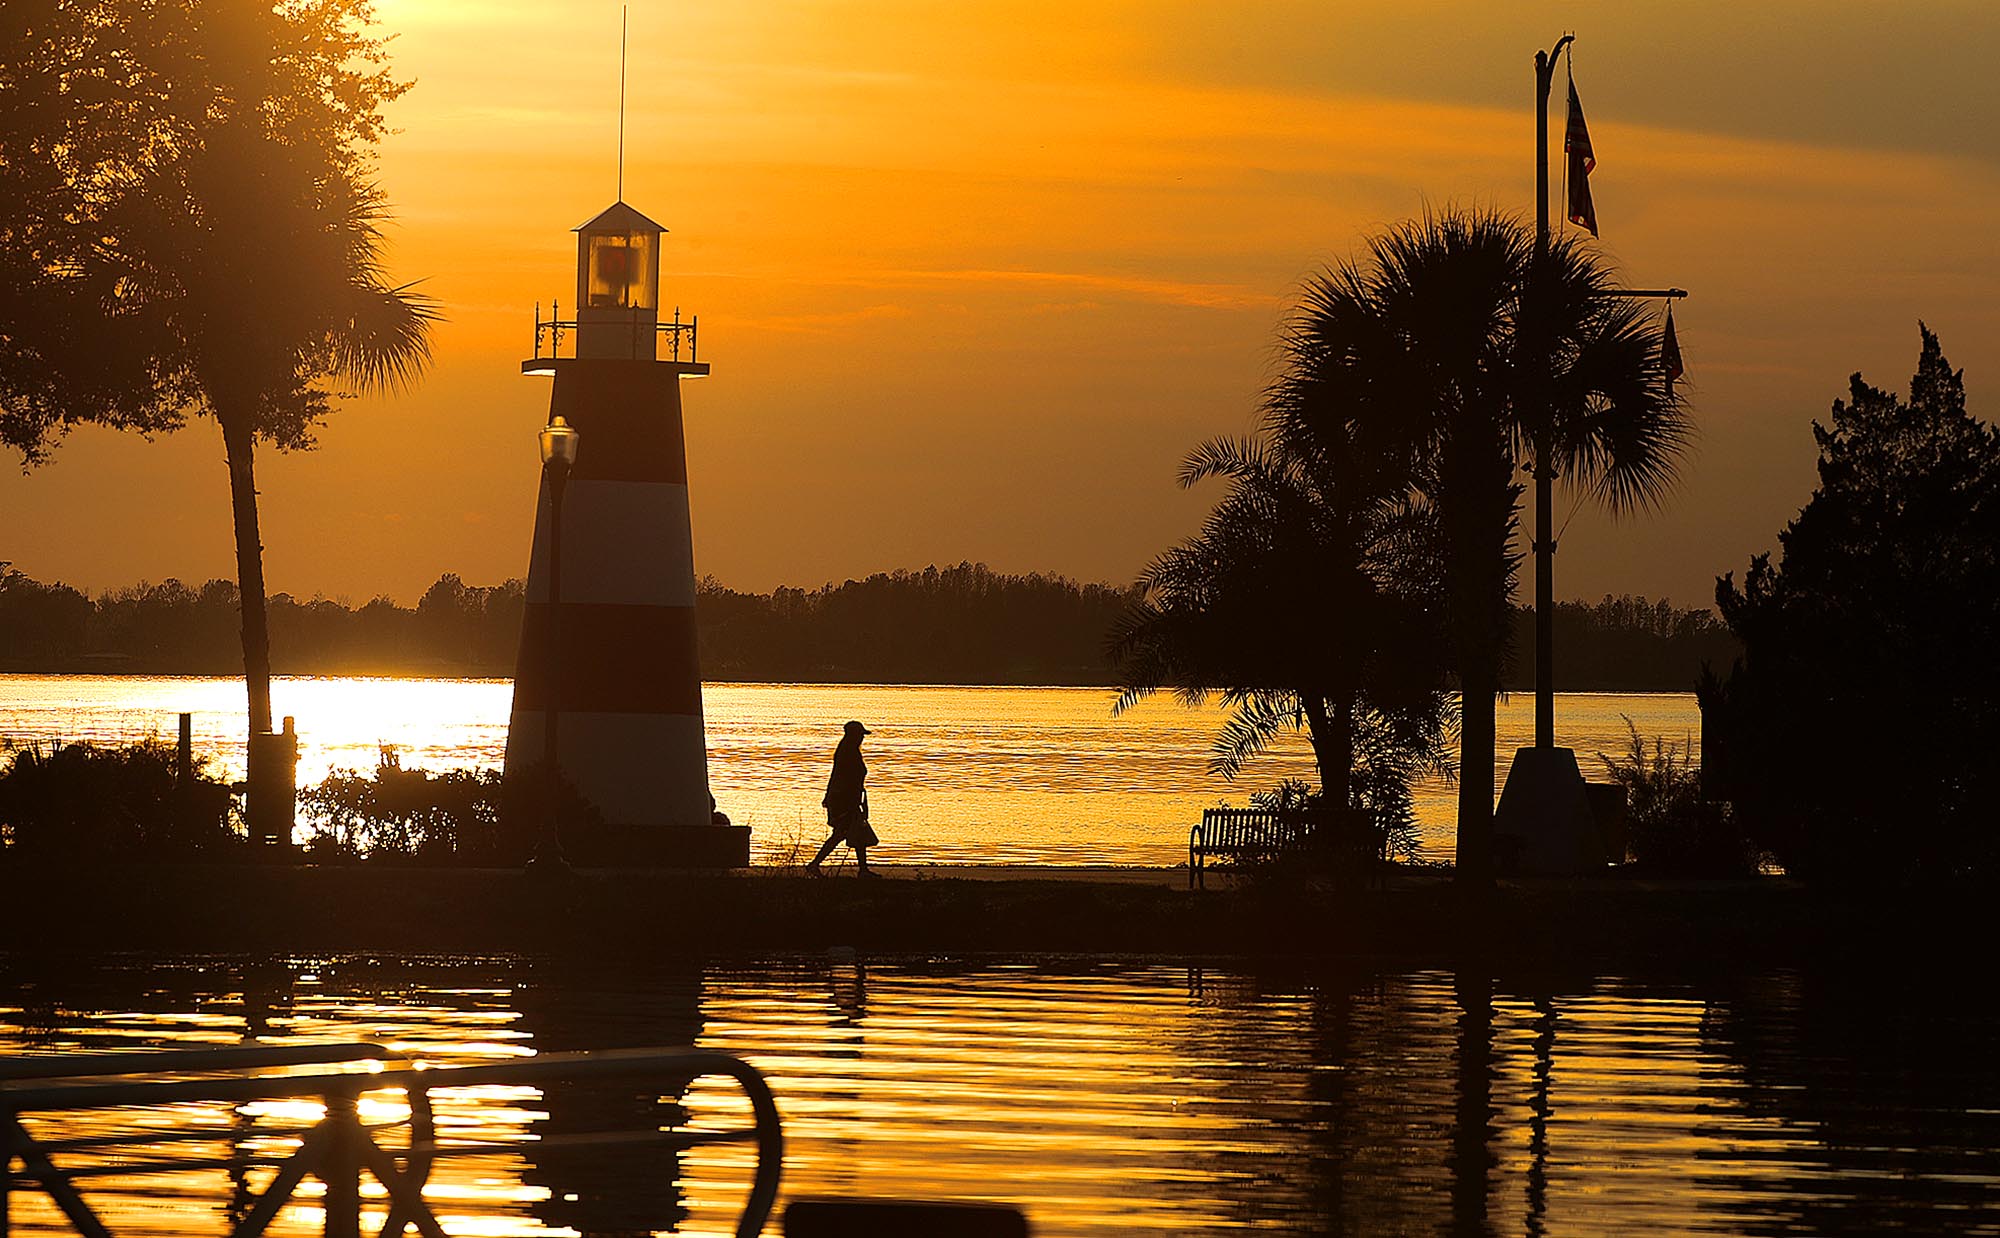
pixel 618 217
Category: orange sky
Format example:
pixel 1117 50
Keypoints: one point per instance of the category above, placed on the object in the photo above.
pixel 972 278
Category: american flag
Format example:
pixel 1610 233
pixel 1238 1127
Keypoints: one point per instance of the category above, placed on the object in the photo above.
pixel 1576 144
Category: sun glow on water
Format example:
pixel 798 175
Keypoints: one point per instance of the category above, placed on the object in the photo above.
pixel 956 774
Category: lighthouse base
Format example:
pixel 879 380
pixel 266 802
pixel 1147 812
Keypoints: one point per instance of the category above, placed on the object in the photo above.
pixel 637 770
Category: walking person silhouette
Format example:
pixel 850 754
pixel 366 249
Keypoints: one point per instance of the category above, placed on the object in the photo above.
pixel 846 803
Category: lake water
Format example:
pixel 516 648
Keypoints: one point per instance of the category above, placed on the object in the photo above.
pixel 956 774
pixel 1117 1096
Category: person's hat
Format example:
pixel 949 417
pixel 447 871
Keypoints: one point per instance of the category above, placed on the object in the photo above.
pixel 855 728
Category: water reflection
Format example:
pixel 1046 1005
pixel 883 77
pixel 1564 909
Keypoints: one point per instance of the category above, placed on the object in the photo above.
pixel 597 1184
pixel 1886 1083
pixel 1472 1116
pixel 1111 1095
pixel 1539 1112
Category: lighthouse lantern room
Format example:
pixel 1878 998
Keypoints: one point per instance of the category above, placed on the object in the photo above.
pixel 618 284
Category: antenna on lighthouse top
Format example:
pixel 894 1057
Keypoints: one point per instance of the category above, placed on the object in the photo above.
pixel 623 11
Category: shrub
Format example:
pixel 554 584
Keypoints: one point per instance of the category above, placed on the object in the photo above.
pixel 400 813
pixel 470 817
pixel 1381 788
pixel 1671 829
pixel 1315 863
pixel 79 801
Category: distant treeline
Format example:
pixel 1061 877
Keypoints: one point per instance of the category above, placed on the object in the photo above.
pixel 966 624
pixel 174 629
pixel 1624 644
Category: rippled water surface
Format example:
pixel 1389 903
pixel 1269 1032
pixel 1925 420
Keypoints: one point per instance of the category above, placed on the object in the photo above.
pixel 1015 775
pixel 1116 1096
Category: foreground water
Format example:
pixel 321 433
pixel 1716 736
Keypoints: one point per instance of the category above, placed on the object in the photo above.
pixel 1116 1096
pixel 956 775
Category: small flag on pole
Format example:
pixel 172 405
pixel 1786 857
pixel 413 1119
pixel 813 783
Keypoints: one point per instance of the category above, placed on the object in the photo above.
pixel 1576 144
pixel 1670 353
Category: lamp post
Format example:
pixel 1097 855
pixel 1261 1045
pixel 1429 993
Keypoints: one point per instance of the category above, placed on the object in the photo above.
pixel 559 442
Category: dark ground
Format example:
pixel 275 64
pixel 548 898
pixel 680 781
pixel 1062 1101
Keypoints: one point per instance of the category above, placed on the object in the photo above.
pixel 1416 917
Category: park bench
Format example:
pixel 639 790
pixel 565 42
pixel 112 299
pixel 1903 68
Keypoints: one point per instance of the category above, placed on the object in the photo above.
pixel 1348 839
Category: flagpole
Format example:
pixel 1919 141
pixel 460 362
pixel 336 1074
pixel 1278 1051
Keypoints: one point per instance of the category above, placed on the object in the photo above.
pixel 1545 534
pixel 1545 797
pixel 1544 544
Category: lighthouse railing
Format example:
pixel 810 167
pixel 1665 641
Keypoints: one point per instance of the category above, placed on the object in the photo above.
pixel 675 339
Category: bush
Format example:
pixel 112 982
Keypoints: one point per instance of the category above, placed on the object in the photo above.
pixel 79 801
pixel 1289 796
pixel 1381 787
pixel 399 813
pixel 1315 863
pixel 470 817
pixel 1672 830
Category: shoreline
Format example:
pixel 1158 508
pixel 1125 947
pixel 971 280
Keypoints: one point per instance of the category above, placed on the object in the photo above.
pixel 629 914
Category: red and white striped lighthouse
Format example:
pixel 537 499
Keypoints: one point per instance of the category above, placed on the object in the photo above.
pixel 608 643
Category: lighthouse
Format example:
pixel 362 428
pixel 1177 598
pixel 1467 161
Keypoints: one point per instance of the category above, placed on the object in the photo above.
pixel 607 685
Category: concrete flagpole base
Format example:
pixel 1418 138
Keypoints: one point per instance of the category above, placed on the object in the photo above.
pixel 1544 824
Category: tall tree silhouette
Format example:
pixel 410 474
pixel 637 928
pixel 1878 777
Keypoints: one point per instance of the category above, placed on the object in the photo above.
pixel 1437 353
pixel 1856 735
pixel 230 235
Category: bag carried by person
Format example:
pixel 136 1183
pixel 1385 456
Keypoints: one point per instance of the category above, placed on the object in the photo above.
pixel 859 832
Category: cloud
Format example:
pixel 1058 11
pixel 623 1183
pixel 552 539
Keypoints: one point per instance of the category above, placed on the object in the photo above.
pixel 1170 292
pixel 824 323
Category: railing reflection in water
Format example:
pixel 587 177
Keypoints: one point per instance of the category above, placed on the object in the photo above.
pixel 318 1099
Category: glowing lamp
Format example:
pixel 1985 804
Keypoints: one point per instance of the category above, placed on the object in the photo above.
pixel 559 440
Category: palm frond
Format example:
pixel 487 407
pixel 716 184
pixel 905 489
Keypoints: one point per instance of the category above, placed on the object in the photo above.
pixel 1223 457
pixel 382 339
pixel 1259 718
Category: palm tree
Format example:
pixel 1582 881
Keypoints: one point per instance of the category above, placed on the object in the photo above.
pixel 262 257
pixel 1442 355
pixel 1295 604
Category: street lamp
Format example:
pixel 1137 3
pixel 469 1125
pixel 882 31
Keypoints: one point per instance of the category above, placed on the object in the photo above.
pixel 559 442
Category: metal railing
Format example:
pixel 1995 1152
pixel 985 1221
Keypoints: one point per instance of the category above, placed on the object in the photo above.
pixel 675 339
pixel 339 1147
